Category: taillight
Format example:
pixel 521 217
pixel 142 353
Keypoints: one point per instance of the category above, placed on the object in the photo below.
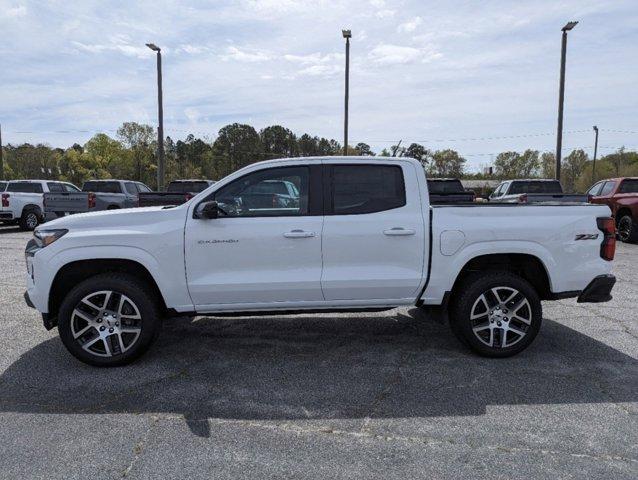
pixel 608 247
pixel 5 199
pixel 91 200
pixel 522 198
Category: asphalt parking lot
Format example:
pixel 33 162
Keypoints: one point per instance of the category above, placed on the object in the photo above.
pixel 387 395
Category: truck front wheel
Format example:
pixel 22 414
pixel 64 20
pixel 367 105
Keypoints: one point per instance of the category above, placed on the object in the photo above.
pixel 627 229
pixel 496 314
pixel 109 320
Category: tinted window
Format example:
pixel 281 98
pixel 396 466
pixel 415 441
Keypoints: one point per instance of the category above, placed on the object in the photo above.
pixel 187 187
pixel 445 186
pixel 102 187
pixel 131 188
pixel 252 195
pixel 55 187
pixel 366 188
pixel 535 187
pixel 70 188
pixel 142 188
pixel 3 185
pixel 629 186
pixel 595 190
pixel 24 187
pixel 607 189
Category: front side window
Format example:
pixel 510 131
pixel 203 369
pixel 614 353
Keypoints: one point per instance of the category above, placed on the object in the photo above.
pixel 274 192
pixel 358 189
pixel 24 187
pixel 595 190
pixel 607 189
pixel 70 188
pixel 131 189
pixel 143 188
pixel 629 186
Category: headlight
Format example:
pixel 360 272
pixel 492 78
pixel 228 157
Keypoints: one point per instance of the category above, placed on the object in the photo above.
pixel 46 237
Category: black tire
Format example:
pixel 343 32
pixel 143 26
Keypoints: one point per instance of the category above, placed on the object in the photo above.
pixel 140 297
pixel 500 324
pixel 627 229
pixel 29 220
pixel 113 207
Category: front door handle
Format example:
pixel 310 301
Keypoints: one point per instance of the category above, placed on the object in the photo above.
pixel 398 232
pixel 299 234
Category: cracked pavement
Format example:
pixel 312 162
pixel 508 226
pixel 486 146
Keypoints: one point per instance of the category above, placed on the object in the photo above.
pixel 383 395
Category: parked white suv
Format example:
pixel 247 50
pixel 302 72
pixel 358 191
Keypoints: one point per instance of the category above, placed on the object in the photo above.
pixel 353 234
pixel 22 201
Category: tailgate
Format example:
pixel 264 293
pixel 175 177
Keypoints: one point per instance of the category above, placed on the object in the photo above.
pixel 71 202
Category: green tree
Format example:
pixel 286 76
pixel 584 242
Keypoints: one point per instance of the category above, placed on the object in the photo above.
pixel 418 151
pixel 236 146
pixel 548 165
pixel 447 163
pixel 139 139
pixel 363 149
pixel 278 142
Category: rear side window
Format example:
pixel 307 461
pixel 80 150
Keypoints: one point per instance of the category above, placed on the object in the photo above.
pixel 445 186
pixel 357 189
pixel 607 189
pixel 24 187
pixel 629 186
pixel 102 187
pixel 535 187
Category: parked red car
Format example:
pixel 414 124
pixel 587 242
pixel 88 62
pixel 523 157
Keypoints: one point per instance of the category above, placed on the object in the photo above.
pixel 621 195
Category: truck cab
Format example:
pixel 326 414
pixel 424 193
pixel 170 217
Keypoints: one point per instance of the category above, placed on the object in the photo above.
pixel 621 196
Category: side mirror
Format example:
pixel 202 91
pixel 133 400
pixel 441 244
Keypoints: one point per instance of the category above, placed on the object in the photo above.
pixel 208 210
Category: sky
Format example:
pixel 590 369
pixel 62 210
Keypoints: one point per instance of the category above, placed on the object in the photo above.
pixel 477 76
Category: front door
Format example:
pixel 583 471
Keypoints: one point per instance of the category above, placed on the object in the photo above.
pixel 374 239
pixel 264 249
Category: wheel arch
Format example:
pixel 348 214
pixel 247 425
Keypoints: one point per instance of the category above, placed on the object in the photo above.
pixel 29 207
pixel 622 211
pixel 77 271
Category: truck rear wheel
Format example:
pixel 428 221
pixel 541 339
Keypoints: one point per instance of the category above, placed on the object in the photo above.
pixel 627 229
pixel 109 320
pixel 496 314
pixel 29 220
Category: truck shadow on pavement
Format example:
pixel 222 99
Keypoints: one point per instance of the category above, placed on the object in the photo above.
pixel 319 367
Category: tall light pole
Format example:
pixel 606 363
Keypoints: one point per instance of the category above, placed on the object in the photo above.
pixel 160 114
pixel 593 170
pixel 347 34
pixel 561 97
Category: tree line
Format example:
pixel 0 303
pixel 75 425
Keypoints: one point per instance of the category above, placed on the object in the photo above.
pixel 132 155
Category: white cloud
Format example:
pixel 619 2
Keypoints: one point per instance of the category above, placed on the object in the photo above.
pixel 313 58
pixel 387 54
pixel 239 55
pixel 385 13
pixel 377 3
pixel 321 70
pixel 16 12
pixel 410 26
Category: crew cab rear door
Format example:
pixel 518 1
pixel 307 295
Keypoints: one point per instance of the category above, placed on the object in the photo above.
pixel 374 235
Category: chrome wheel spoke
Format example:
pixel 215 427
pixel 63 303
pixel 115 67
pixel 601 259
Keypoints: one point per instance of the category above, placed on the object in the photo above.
pixel 503 337
pixel 78 313
pixel 83 331
pixel 90 343
pixel 521 319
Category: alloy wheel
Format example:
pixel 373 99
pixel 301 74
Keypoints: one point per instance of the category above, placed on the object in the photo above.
pixel 32 220
pixel 106 323
pixel 625 226
pixel 500 317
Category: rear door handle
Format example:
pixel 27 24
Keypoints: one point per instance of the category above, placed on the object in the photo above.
pixel 398 232
pixel 299 234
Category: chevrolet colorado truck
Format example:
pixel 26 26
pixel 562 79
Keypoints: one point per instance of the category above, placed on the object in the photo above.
pixel 621 196
pixel 361 235
pixel 22 201
pixel 95 195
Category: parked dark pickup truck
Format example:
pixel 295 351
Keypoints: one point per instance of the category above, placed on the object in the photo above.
pixel 534 191
pixel 178 192
pixel 448 190
pixel 621 196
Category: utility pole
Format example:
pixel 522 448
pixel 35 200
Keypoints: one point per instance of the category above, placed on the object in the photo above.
pixel 561 97
pixel 347 34
pixel 593 170
pixel 160 114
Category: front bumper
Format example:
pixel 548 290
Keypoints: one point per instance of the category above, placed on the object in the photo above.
pixel 598 290
pixel 47 320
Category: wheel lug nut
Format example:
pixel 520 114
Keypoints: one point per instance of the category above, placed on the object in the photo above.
pixel 99 320
pixel 505 319
pixel 498 323
pixel 102 328
pixel 110 330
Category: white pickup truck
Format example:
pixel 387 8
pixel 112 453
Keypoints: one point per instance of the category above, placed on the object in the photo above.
pixel 22 201
pixel 360 235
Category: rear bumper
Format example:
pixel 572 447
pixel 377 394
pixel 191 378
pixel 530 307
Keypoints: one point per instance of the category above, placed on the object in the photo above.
pixel 598 290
